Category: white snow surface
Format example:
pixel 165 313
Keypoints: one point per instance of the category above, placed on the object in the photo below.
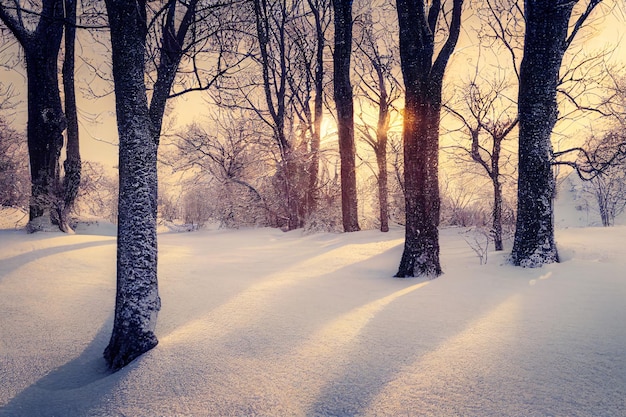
pixel 257 322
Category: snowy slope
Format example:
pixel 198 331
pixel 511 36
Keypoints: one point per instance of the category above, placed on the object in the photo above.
pixel 264 323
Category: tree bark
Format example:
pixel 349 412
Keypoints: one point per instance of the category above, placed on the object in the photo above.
pixel 318 109
pixel 383 190
pixel 423 79
pixel 72 164
pixel 544 46
pixel 497 213
pixel 380 149
pixel 421 182
pixel 46 120
pixel 137 299
pixel 345 113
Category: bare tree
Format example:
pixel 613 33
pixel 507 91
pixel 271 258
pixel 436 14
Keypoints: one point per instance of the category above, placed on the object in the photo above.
pixel 139 129
pixel 137 300
pixel 226 162
pixel 38 27
pixel 486 117
pixel 272 20
pixel 72 165
pixel 546 41
pixel 284 88
pixel 98 193
pixel 605 167
pixel 311 76
pixel 14 176
pixel 375 63
pixel 345 112
pixel 423 73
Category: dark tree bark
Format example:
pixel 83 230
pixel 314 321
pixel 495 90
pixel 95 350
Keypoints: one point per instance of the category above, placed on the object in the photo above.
pixel 423 79
pixel 72 164
pixel 545 43
pixel 137 301
pixel 46 121
pixel 318 9
pixel 383 189
pixel 345 113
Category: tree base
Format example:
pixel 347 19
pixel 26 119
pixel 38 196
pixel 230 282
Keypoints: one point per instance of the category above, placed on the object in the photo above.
pixel 42 223
pixel 535 260
pixel 123 349
pixel 423 266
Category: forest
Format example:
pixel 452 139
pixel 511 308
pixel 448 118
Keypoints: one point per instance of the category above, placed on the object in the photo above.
pixel 317 115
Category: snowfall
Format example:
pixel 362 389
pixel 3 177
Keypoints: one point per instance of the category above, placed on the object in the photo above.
pixel 258 322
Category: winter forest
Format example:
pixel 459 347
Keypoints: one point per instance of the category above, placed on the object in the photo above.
pixel 308 168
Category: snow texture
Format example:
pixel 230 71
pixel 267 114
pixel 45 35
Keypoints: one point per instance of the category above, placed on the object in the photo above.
pixel 257 322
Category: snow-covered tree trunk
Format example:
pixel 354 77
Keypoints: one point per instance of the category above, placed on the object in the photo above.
pixel 137 300
pixel 345 113
pixel 544 45
pixel 497 212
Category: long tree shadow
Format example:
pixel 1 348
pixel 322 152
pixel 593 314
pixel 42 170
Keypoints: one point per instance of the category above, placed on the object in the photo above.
pixel 13 263
pixel 79 385
pixel 240 305
pixel 384 348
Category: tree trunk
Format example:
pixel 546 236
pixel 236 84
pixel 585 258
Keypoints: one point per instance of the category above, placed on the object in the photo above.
pixel 318 113
pixel 381 160
pixel 46 121
pixel 345 113
pixel 423 80
pixel 137 300
pixel 72 164
pixel 421 182
pixel 497 213
pixel 545 43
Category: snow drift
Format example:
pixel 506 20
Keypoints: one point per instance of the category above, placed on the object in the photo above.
pixel 261 322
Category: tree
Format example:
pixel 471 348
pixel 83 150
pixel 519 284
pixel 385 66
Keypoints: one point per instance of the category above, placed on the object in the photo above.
pixel 423 80
pixel 319 9
pixel 378 85
pixel 602 166
pixel 488 123
pixel 272 19
pixel 226 163
pixel 547 37
pixel 72 165
pixel 139 129
pixel 306 80
pixel 46 120
pixel 345 112
pixel 137 299
pixel 287 50
pixel 14 178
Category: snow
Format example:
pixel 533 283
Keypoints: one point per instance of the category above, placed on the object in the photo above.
pixel 261 322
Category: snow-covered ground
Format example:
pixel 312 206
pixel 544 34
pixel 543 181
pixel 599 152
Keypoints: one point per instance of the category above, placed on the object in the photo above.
pixel 258 322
